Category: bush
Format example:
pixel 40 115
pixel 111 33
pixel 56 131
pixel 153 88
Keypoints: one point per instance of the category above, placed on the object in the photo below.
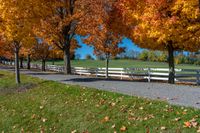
pixel 144 55
pixel 88 57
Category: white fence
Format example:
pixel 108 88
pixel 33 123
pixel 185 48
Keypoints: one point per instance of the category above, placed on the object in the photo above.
pixel 148 74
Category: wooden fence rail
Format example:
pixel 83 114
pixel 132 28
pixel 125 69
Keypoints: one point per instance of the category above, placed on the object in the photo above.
pixel 149 74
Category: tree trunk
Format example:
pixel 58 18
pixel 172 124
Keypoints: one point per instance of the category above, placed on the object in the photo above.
pixel 107 67
pixel 29 61
pixel 199 4
pixel 171 64
pixel 53 60
pixel 67 62
pixel 21 62
pixel 43 65
pixel 17 70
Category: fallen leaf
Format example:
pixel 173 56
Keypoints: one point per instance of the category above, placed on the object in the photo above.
pixel 113 126
pixel 44 119
pixel 33 116
pixel 22 130
pixel 163 128
pixel 187 124
pixel 141 108
pixel 113 104
pixel 74 131
pixel 123 128
pixel 177 119
pixel 198 131
pixel 184 113
pixel 105 119
pixel 194 123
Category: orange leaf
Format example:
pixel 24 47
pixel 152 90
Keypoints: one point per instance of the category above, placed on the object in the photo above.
pixel 123 129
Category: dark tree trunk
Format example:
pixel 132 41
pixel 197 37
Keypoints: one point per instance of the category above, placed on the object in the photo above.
pixel 67 62
pixel 107 67
pixel 171 64
pixel 43 65
pixel 29 61
pixel 53 62
pixel 17 70
pixel 199 4
pixel 21 62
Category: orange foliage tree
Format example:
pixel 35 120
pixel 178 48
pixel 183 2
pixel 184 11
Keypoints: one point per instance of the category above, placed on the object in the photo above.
pixel 69 18
pixel 103 39
pixel 162 25
pixel 41 51
pixel 17 20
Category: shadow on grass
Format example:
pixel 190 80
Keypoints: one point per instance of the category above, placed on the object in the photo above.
pixel 19 88
pixel 1 75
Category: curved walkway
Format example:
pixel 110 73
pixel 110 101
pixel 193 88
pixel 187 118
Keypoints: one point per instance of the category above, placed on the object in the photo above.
pixel 174 94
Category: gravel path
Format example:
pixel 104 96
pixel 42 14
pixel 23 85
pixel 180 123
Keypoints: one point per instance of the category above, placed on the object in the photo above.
pixel 174 94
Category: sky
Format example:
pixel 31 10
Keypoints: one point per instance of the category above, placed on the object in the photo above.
pixel 85 50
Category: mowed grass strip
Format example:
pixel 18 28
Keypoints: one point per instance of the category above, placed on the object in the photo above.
pixel 48 106
pixel 122 64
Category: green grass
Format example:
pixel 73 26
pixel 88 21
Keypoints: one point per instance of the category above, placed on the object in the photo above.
pixel 124 64
pixel 46 106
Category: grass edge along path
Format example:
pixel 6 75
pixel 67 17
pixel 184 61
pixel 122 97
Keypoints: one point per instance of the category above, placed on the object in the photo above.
pixel 46 106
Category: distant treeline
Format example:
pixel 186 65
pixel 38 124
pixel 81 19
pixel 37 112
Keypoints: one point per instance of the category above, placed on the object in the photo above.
pixel 157 56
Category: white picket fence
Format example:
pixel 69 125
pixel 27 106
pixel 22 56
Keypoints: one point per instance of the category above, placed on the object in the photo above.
pixel 148 74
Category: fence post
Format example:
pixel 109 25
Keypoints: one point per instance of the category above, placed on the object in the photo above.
pixel 121 74
pixel 96 72
pixel 149 75
pixel 198 77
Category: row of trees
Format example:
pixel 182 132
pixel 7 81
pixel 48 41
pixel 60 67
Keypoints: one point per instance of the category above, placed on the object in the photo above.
pixel 53 25
pixel 180 57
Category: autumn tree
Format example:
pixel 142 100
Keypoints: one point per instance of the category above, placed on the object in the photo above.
pixel 105 43
pixel 162 25
pixel 41 51
pixel 103 39
pixel 61 26
pixel 70 18
pixel 17 20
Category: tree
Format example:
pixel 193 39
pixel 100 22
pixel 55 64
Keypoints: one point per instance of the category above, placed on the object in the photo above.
pixel 41 51
pixel 67 19
pixel 77 56
pixel 163 25
pixel 144 55
pixel 17 20
pixel 88 57
pixel 104 41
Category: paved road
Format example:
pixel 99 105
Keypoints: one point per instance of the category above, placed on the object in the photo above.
pixel 174 94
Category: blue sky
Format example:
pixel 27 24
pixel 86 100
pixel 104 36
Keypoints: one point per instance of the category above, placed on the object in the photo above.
pixel 84 50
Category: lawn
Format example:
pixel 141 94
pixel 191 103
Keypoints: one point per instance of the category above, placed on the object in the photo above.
pixel 45 106
pixel 123 64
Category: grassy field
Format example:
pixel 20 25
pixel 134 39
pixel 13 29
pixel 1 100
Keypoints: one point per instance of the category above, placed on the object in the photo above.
pixel 123 64
pixel 46 106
